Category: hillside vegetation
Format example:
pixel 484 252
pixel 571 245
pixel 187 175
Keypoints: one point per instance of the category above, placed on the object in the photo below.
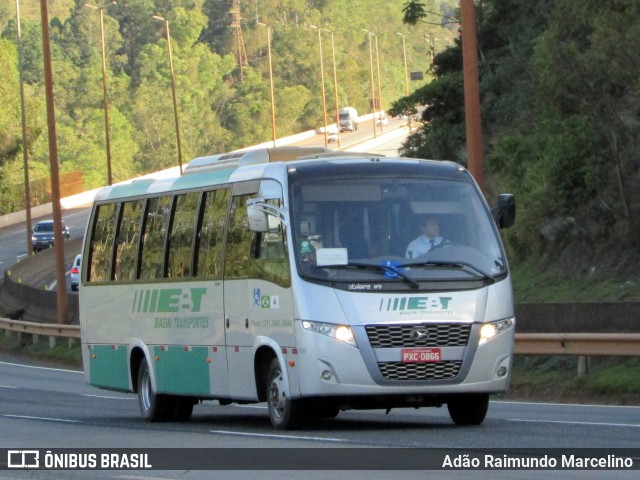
pixel 221 77
pixel 560 93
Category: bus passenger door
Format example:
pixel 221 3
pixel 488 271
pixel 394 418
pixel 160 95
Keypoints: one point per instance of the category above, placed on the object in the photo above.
pixel 257 295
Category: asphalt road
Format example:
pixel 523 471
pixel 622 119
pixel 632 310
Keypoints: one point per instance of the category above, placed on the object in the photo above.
pixel 50 408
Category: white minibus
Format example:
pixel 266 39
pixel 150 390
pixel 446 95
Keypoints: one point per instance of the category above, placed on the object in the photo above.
pixel 285 276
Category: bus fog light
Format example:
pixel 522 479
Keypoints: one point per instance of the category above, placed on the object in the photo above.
pixel 326 375
pixel 502 371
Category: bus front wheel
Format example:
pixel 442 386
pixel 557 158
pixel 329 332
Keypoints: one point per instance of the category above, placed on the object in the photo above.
pixel 470 409
pixel 285 413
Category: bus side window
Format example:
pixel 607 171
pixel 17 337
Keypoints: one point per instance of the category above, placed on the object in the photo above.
pixel 102 243
pixel 153 238
pixel 210 235
pixel 238 245
pixel 183 229
pixel 254 255
pixel 125 268
pixel 271 256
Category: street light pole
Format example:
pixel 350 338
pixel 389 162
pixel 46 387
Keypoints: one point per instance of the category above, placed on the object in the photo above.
pixel 335 86
pixel 324 97
pixel 173 88
pixel 25 149
pixel 373 90
pixel 273 102
pixel 406 71
pixel 379 83
pixel 104 91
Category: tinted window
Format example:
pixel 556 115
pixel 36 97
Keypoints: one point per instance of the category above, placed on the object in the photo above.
pixel 102 243
pixel 128 240
pixel 210 237
pixel 183 227
pixel 256 255
pixel 154 236
pixel 44 227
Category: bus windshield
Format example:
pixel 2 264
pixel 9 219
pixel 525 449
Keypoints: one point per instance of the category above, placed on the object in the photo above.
pixel 402 229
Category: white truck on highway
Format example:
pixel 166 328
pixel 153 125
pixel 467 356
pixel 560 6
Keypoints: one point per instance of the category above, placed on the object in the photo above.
pixel 348 117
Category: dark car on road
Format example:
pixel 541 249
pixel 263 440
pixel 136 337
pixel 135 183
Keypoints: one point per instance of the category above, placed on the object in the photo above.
pixel 42 236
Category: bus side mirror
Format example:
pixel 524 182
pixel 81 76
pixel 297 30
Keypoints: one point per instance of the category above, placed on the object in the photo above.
pixel 505 212
pixel 259 218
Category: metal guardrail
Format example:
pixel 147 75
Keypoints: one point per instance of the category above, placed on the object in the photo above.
pixel 615 344
pixel 51 330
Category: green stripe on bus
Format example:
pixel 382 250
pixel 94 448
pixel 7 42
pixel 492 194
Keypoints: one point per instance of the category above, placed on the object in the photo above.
pixel 133 189
pixel 181 370
pixel 202 179
pixel 109 367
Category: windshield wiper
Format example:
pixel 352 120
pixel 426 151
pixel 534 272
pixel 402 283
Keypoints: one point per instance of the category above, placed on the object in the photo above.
pixel 448 264
pixel 380 268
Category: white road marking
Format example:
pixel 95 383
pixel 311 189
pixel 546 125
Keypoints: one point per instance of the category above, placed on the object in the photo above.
pixel 276 436
pixel 566 422
pixel 49 419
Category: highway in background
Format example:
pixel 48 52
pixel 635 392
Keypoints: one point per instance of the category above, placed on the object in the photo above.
pixel 13 239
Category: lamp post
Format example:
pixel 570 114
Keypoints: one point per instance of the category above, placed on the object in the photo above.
pixel 379 82
pixel 273 103
pixel 335 85
pixel 104 90
pixel 25 149
pixel 173 88
pixel 373 89
pixel 324 97
pixel 406 71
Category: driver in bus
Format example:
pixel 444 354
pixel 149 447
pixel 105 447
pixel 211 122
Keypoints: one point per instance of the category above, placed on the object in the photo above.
pixel 427 240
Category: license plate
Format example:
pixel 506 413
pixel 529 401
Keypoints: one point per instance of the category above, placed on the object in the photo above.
pixel 420 355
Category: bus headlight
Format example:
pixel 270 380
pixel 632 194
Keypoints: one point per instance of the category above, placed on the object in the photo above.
pixel 490 330
pixel 339 332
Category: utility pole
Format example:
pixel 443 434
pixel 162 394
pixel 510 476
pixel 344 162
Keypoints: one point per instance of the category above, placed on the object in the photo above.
pixel 58 240
pixel 471 91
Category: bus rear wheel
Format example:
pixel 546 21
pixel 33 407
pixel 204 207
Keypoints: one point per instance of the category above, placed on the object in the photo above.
pixel 285 413
pixel 154 407
pixel 470 409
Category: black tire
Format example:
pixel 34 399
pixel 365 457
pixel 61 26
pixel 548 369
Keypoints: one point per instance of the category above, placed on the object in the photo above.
pixel 470 409
pixel 182 409
pixel 284 412
pixel 154 407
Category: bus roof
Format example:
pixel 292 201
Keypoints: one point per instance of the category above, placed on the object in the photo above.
pixel 234 166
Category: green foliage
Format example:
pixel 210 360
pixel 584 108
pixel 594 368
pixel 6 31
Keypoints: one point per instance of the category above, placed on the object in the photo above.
pixel 610 380
pixel 560 94
pixel 217 112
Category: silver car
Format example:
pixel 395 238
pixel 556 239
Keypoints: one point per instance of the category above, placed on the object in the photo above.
pixel 75 272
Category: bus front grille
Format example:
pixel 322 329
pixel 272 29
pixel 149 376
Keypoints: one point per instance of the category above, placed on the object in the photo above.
pixel 420 371
pixel 430 334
